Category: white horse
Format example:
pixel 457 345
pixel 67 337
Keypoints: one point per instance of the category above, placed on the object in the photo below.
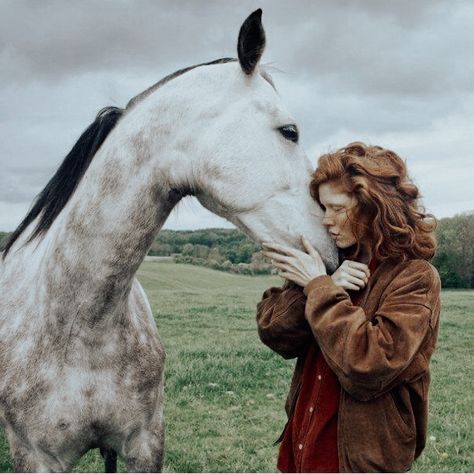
pixel 81 363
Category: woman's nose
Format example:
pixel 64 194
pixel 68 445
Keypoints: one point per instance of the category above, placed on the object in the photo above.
pixel 328 220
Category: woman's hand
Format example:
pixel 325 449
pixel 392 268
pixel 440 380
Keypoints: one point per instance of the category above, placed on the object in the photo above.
pixel 294 265
pixel 351 275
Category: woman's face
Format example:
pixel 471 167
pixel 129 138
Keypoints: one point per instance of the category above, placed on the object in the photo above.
pixel 335 203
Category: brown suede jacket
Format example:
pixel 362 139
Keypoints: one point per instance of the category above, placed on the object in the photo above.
pixel 380 352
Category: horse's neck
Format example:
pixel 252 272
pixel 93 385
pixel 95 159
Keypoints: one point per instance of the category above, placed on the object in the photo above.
pixel 107 227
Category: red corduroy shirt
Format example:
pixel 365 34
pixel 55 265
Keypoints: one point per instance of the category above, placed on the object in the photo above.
pixel 310 440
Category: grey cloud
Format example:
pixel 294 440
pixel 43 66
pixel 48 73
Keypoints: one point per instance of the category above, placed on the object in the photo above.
pixel 56 38
pixel 353 49
pixel 18 184
pixel 375 70
pixel 321 112
pixel 383 47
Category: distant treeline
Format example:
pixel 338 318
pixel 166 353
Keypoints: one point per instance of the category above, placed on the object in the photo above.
pixel 231 250
pixel 3 239
pixel 454 258
pixel 222 249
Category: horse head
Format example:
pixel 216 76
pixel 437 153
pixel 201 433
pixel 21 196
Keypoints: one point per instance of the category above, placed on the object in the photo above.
pixel 218 131
pixel 258 175
pixel 244 161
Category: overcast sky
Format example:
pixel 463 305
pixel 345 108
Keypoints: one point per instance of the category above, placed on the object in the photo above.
pixel 399 74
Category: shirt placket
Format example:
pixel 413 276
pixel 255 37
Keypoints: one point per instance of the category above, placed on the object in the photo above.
pixel 308 418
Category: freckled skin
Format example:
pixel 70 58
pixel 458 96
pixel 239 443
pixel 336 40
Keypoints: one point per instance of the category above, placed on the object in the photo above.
pixel 337 205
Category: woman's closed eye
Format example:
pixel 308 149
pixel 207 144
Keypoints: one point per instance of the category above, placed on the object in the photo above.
pixel 334 210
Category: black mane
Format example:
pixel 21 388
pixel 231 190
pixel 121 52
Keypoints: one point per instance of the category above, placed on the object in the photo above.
pixel 50 202
pixel 52 199
pixel 175 74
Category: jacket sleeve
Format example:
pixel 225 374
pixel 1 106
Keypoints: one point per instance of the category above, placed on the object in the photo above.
pixel 369 351
pixel 281 321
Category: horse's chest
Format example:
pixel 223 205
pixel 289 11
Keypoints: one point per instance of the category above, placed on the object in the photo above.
pixel 82 382
pixel 93 403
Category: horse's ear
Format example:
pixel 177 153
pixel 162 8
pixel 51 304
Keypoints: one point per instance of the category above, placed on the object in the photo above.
pixel 251 42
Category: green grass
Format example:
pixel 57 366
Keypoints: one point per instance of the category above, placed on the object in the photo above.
pixel 225 391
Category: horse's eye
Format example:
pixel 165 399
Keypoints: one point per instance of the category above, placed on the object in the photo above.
pixel 290 132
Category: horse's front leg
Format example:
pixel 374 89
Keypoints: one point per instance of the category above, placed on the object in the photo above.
pixel 143 451
pixel 28 460
pixel 23 460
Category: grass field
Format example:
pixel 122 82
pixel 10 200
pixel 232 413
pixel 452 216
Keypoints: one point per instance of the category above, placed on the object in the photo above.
pixel 225 391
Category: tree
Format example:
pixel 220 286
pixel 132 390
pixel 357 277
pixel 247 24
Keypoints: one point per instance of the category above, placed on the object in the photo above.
pixel 188 249
pixel 454 257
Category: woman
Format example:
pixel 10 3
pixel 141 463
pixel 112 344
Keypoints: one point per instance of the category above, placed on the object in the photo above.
pixel 363 336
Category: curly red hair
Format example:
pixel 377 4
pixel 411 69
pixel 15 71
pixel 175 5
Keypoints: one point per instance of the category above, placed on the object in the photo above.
pixel 388 211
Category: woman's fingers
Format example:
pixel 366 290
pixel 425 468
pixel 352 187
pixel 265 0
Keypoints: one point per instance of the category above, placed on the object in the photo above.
pixel 359 282
pixel 354 264
pixel 351 286
pixel 308 247
pixel 358 266
pixel 281 265
pixel 282 249
pixel 357 273
pixel 276 256
pixel 287 275
pixel 350 276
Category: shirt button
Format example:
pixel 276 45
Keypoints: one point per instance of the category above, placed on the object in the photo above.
pixel 300 446
pixel 319 377
pixel 311 409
